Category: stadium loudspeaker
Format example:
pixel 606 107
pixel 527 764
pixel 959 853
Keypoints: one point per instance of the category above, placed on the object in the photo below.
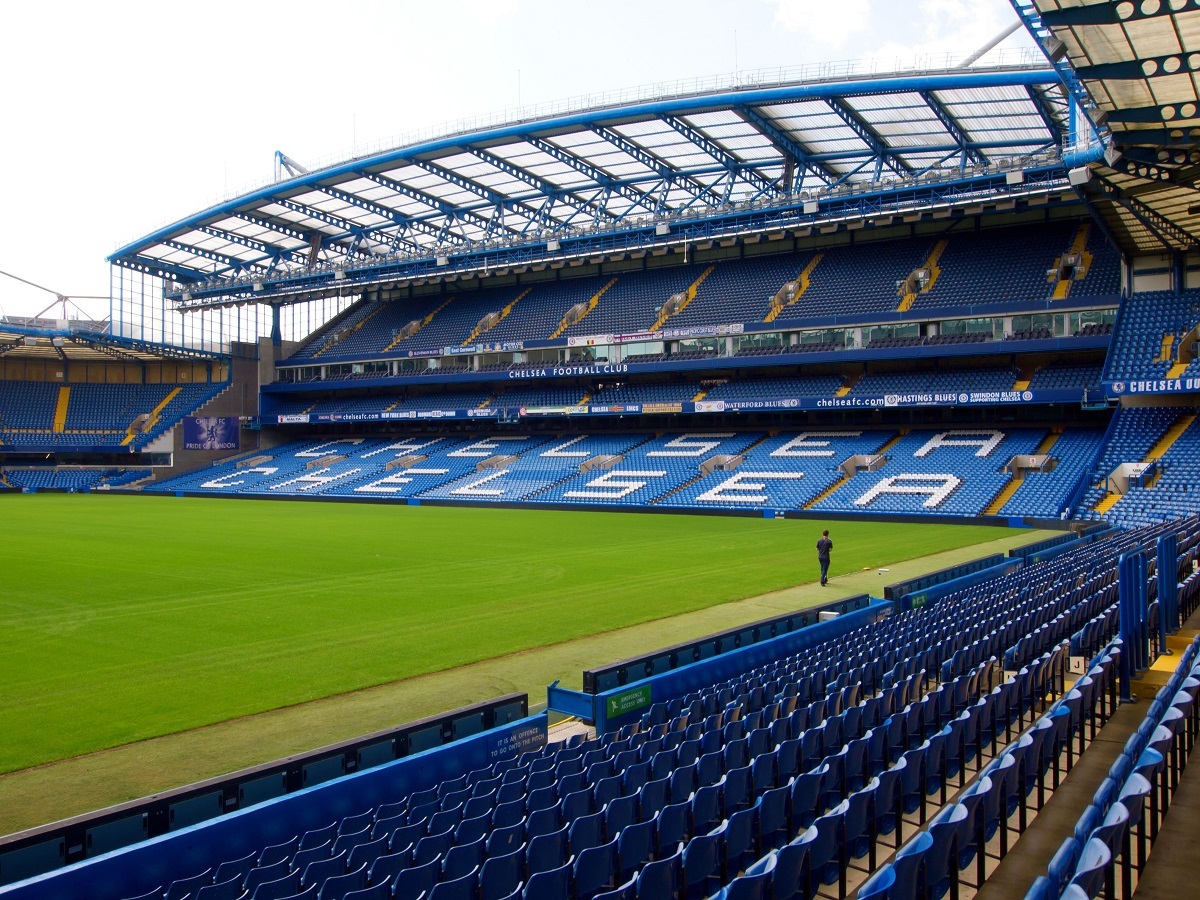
pixel 1112 155
pixel 662 228
pixel 1079 176
pixel 810 207
pixel 443 260
pixel 1017 176
pixel 551 246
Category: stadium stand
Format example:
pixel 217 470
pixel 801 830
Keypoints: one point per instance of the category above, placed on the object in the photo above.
pixel 634 302
pixel 1000 268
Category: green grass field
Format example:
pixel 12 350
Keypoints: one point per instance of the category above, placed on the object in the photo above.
pixel 125 618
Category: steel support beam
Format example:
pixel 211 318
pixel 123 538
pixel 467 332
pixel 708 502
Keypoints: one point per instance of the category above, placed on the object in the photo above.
pixel 673 177
pixel 1170 115
pixel 736 167
pixel 599 176
pixel 498 201
pixel 868 136
pixel 952 125
pixel 1167 232
pixel 570 196
pixel 266 250
pixel 1114 13
pixel 788 146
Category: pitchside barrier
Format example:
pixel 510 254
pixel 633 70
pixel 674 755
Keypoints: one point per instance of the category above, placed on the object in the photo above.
pixel 914 586
pixel 611 709
pixel 635 668
pixel 1041 551
pixel 391 762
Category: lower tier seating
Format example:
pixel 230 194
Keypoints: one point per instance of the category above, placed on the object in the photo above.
pixel 954 472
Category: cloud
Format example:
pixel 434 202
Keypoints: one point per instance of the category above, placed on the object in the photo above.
pixel 893 32
pixel 832 24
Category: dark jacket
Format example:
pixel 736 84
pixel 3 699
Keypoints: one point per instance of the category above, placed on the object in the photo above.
pixel 824 545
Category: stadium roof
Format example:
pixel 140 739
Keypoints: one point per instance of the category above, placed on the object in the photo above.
pixel 1140 63
pixel 627 175
pixel 76 340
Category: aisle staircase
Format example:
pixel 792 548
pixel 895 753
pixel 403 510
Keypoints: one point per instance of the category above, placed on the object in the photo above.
pixel 1170 436
pixel 567 321
pixel 931 263
pixel 404 334
pixel 342 335
pixel 503 314
pixel 1048 441
pixel 1062 288
pixel 805 281
pixel 846 388
pixel 1005 494
pixel 155 414
pixel 690 295
pixel 1023 378
pixel 1155 453
pixel 60 409
pixel 1164 353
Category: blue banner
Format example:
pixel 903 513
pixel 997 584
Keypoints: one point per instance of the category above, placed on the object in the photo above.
pixel 1115 389
pixel 211 433
pixel 932 398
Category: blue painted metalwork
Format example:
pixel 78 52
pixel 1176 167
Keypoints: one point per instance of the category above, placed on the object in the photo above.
pixel 952 125
pixel 1039 28
pixel 1131 600
pixel 1166 569
pixel 595 120
pixel 718 224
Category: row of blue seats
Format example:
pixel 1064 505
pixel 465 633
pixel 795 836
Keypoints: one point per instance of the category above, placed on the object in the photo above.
pixel 931 864
pixel 824 854
pixel 1128 807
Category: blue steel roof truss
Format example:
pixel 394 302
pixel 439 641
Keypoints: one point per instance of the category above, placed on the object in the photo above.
pixel 619 169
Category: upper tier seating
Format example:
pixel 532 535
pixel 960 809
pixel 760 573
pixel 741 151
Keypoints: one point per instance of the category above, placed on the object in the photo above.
pixel 882 383
pixel 740 290
pixel 1008 266
pixel 1145 323
pixel 1004 266
pixel 857 280
pixel 632 304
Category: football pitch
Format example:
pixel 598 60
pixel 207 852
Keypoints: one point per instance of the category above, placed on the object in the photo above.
pixel 125 618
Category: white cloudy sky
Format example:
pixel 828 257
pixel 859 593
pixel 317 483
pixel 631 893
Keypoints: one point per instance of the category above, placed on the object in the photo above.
pixel 121 117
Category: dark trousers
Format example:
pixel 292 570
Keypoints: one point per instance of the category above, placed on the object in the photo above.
pixel 824 561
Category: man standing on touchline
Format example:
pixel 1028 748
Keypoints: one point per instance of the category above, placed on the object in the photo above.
pixel 824 545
